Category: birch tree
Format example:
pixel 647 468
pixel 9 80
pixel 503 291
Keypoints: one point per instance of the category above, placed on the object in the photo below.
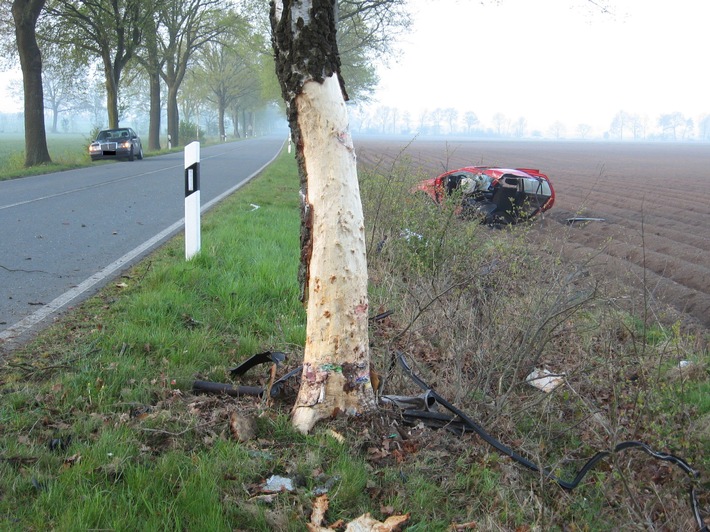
pixel 336 364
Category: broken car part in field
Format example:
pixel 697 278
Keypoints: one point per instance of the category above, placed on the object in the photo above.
pixel 495 196
pixel 582 219
pixel 545 380
pixel 277 357
pixel 460 419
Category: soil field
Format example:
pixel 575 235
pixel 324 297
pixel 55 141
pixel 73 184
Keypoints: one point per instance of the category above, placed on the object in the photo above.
pixel 654 199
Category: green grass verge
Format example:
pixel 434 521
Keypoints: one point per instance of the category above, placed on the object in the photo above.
pixel 67 150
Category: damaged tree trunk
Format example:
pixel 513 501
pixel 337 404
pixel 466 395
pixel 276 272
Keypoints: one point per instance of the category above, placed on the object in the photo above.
pixel 336 366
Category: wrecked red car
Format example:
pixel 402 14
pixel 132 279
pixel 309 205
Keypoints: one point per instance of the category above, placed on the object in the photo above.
pixel 494 195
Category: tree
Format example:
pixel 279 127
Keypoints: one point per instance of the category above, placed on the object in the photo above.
pixel 230 70
pixel 336 366
pixel 111 30
pixel 366 31
pixel 451 115
pixel 436 116
pixel 704 127
pixel 557 129
pixel 583 130
pixel 471 120
pixel 152 63
pixel 64 84
pixel 500 121
pixel 619 123
pixel 670 122
pixel 25 14
pixel 185 26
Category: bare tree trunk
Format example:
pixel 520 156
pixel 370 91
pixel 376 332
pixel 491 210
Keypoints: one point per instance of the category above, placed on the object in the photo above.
pixel 336 366
pixel 111 96
pixel 25 14
pixel 173 116
pixel 220 118
pixel 155 110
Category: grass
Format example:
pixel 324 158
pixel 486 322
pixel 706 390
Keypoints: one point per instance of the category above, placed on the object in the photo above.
pixel 99 428
pixel 67 151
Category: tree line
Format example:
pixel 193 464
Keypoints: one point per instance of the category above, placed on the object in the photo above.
pixel 218 51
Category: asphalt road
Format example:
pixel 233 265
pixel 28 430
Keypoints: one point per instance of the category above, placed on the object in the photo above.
pixel 64 235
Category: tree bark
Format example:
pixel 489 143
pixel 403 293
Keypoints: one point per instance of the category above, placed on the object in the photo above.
pixel 111 96
pixel 25 14
pixel 336 366
pixel 155 110
pixel 221 108
pixel 173 115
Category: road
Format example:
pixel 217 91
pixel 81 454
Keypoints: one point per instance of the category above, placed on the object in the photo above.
pixel 66 234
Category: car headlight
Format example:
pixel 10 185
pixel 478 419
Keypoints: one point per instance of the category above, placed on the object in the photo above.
pixel 94 147
pixel 126 144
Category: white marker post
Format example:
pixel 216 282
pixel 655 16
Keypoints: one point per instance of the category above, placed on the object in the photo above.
pixel 192 199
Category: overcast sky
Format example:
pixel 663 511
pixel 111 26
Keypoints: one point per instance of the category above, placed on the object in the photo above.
pixel 550 60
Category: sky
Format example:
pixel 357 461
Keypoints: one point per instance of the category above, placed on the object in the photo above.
pixel 547 61
pixel 553 60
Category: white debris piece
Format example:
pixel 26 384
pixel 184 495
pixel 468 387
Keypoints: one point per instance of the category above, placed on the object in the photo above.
pixel 545 380
pixel 276 483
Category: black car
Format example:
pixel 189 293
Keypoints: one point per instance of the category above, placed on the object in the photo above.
pixel 119 143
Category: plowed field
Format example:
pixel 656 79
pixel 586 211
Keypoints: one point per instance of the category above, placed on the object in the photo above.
pixel 654 199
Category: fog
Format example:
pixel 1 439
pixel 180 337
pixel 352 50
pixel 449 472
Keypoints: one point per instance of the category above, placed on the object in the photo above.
pixel 554 63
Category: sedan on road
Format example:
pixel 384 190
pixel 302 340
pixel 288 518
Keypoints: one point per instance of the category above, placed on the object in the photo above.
pixel 119 143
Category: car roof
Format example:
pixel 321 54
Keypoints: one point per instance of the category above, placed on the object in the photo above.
pixel 495 172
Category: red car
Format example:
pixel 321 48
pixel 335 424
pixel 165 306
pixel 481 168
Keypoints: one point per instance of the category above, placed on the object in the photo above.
pixel 494 195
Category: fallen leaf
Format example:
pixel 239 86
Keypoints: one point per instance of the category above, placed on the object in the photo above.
pixel 320 506
pixel 337 436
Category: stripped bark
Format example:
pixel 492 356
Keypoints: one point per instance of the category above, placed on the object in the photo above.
pixel 336 367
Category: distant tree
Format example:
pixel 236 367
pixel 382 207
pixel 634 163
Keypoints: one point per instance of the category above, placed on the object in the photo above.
pixel 520 126
pixel 500 123
pixel 669 124
pixel 451 116
pixel 688 129
pixel 471 120
pixel 64 84
pixel 583 130
pixel 395 118
pixel 637 124
pixel 619 124
pixel 383 117
pixel 423 117
pixel 25 14
pixel 406 122
pixel 229 70
pixel 704 127
pixel 557 129
pixel 185 26
pixel 436 116
pixel 110 30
